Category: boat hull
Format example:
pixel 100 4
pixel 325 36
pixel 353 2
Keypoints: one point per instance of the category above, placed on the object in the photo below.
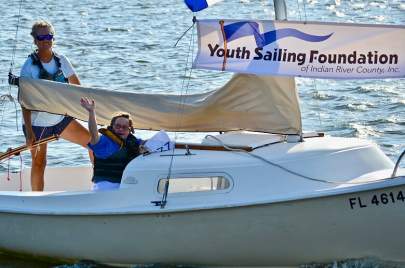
pixel 321 229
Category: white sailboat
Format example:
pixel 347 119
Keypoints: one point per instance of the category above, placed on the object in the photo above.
pixel 247 197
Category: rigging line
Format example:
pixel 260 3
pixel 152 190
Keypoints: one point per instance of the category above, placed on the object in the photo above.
pixel 388 11
pixel 181 110
pixel 8 169
pixel 181 106
pixel 299 10
pixel 184 85
pixel 9 96
pixel 289 170
pixel 3 107
pixel 317 96
pixel 186 31
pixel 15 39
pixel 3 102
pixel 4 99
pixel 305 11
pixel 16 114
pixel 20 175
pixel 38 148
pixel 191 70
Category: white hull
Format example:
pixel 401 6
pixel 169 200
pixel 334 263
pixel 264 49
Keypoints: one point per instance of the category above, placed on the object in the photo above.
pixel 266 216
pixel 286 233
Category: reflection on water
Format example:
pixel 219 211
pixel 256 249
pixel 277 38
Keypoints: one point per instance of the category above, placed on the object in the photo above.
pixel 361 263
pixel 7 261
pixel 13 262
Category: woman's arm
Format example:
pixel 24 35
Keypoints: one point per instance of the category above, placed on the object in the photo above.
pixel 90 106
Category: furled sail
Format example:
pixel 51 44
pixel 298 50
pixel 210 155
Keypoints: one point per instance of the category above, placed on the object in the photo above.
pixel 246 102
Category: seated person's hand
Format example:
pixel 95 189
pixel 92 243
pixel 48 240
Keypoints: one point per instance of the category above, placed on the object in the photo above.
pixel 143 149
pixel 88 104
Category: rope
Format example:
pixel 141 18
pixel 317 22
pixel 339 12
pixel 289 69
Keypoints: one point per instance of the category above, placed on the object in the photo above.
pixel 38 148
pixel 181 110
pixel 3 102
pixel 284 168
pixel 21 170
pixel 299 10
pixel 186 31
pixel 8 169
pixel 9 96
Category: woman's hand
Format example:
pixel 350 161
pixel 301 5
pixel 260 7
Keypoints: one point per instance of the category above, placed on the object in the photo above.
pixel 88 104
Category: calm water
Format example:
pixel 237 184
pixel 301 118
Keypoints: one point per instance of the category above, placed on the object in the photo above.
pixel 128 46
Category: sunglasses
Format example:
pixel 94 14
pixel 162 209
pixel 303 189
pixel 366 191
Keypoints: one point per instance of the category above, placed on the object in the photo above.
pixel 118 126
pixel 42 37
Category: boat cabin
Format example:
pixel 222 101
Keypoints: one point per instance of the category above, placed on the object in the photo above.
pixel 277 166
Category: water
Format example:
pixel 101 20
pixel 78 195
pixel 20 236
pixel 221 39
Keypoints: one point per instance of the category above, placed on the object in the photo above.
pixel 128 46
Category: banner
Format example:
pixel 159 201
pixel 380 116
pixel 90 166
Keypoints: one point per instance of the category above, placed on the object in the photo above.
pixel 310 49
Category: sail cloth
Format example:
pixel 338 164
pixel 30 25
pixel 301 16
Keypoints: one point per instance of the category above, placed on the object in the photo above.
pixel 307 49
pixel 246 102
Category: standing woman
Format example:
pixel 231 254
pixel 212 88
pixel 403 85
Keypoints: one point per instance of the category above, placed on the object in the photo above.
pixel 44 63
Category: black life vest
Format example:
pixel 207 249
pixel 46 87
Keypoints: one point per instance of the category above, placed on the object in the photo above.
pixel 43 74
pixel 112 167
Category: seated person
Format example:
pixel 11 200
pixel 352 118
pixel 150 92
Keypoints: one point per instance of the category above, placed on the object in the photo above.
pixel 113 149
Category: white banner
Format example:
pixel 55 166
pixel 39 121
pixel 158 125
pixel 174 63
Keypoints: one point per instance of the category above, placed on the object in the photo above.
pixel 321 50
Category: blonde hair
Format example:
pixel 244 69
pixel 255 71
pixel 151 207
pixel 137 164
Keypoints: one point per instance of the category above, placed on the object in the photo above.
pixel 124 115
pixel 41 24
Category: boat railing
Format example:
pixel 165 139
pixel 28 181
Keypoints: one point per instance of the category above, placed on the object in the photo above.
pixel 394 173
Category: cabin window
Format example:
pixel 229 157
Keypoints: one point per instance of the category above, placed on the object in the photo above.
pixel 194 184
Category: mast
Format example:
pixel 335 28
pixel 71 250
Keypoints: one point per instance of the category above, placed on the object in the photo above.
pixel 280 9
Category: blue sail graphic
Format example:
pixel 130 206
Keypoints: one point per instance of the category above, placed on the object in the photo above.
pixel 237 30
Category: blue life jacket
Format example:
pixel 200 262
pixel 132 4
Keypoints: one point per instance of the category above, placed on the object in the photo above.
pixel 111 168
pixel 43 74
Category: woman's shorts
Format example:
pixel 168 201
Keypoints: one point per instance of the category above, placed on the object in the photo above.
pixel 45 132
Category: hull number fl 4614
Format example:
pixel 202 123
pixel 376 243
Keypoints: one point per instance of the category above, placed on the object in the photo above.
pixel 376 200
